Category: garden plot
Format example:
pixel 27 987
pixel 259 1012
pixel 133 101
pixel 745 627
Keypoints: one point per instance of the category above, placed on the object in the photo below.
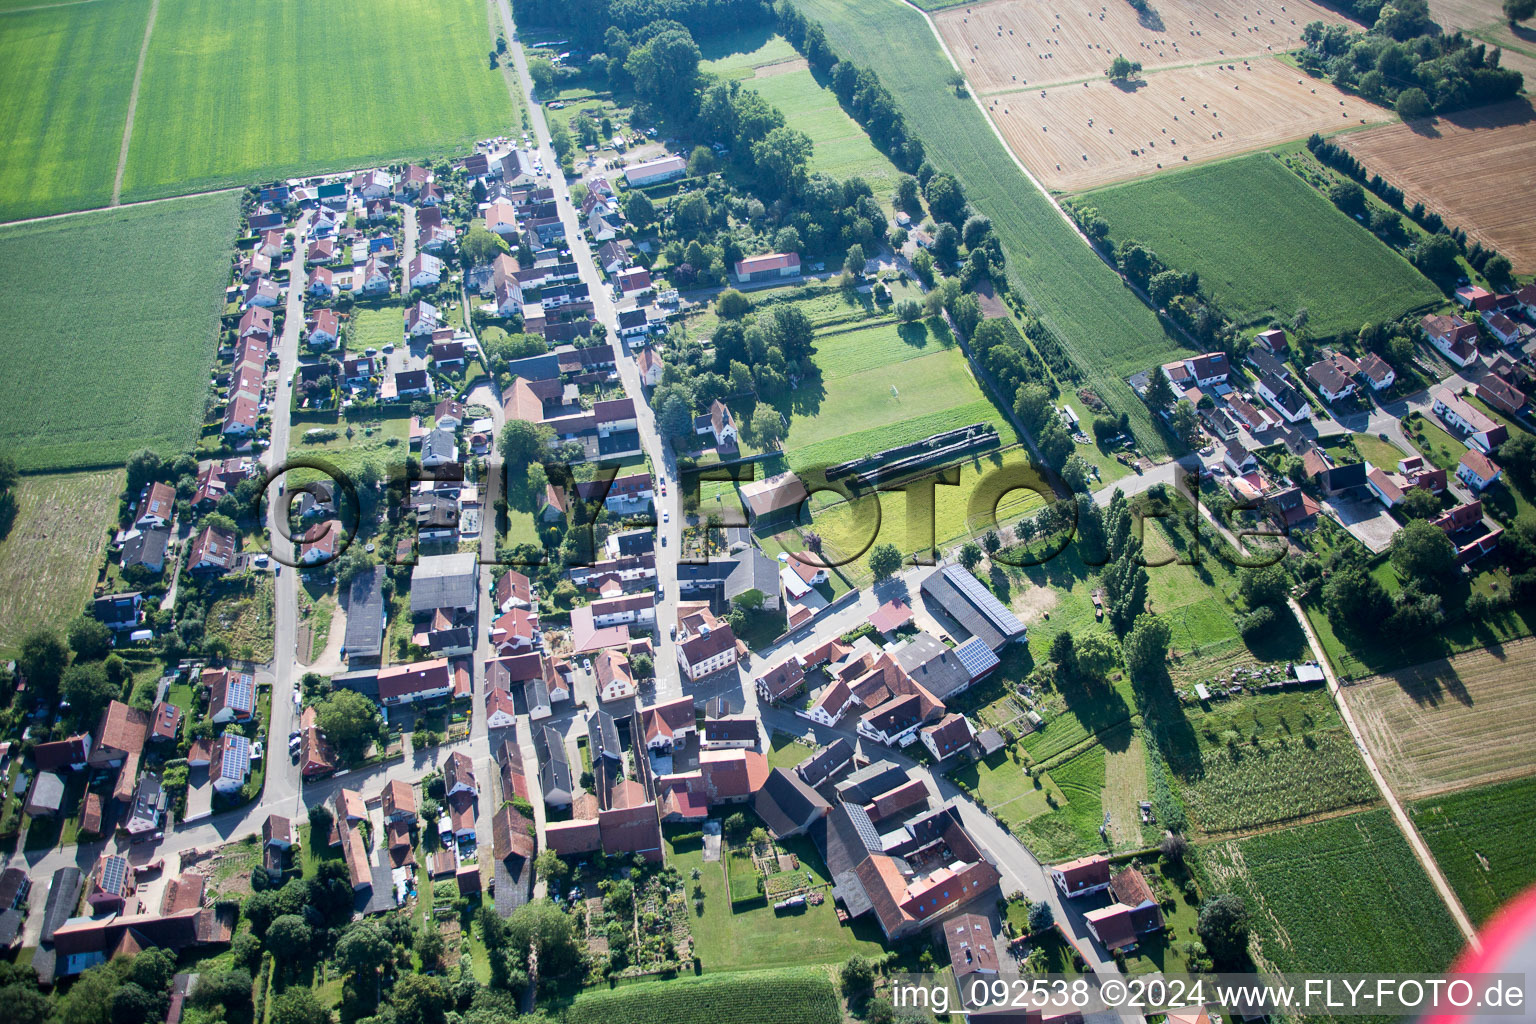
pixel 1083 135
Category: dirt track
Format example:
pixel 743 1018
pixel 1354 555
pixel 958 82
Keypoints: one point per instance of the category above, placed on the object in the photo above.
pixel 1080 136
pixel 1011 43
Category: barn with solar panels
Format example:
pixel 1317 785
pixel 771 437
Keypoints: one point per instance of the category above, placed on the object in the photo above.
pixel 957 599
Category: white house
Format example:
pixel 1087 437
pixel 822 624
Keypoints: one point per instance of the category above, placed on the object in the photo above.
pixel 425 271
pixel 1478 471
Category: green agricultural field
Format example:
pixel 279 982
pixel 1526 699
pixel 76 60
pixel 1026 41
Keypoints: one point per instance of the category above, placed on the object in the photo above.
pixel 1266 245
pixel 1108 333
pixel 1481 838
pixel 65 76
pixel 803 996
pixel 740 54
pixel 1341 895
pixel 119 360
pixel 279 89
pixel 49 555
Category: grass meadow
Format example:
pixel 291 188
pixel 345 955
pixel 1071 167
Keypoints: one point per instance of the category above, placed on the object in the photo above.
pixel 65 76
pixel 1344 895
pixel 772 68
pixel 1108 333
pixel 119 359
pixel 48 558
pixel 802 996
pixel 278 89
pixel 374 326
pixel 1481 839
pixel 1266 245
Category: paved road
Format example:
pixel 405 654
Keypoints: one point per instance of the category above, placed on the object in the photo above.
pixel 1404 823
pixel 664 464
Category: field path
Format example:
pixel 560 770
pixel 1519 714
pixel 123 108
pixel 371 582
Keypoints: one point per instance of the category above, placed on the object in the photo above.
pixel 120 206
pixel 133 104
pixel 1404 825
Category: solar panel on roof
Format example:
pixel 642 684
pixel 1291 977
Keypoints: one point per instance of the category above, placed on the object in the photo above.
pixel 982 598
pixel 977 657
pixel 242 693
pixel 113 871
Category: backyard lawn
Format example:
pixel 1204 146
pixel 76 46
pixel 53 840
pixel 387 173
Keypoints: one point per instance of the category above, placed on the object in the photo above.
pixel 760 937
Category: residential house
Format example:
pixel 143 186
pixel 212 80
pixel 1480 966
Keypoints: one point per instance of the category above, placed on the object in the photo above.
pixel 231 762
pixel 1477 429
pixel 615 679
pixel 324 329
pixel 1453 337
pixel 418 681
pixel 1082 876
pixel 1501 395
pixel 633 281
pixel 554 767
pixel 1329 378
pixel 1378 373
pixel 668 726
pixel 719 424
pixel 787 805
pixel 1283 398
pixel 398 802
pixel 708 648
pixel 972 951
pixel 425 271
pixel 231 695
pixel 148 806
pixel 1478 471
pixel 1273 339
pixel 650 366
pixel 213 550
pixel 1204 370
pixel 949 736
pixel 445 581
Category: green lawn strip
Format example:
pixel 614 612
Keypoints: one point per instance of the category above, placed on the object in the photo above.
pixel 1071 829
pixel 1343 895
pixel 841 149
pixel 786 750
pixel 842 352
pixel 136 329
pixel 381 442
pixel 1106 330
pixel 1265 245
pixel 65 76
pixel 324 85
pixel 1384 455
pixel 1481 839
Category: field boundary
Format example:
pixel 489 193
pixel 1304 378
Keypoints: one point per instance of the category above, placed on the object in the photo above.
pixel 1405 824
pixel 119 206
pixel 133 105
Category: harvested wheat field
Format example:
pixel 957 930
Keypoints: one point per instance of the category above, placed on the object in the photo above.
pixel 1009 43
pixel 1472 168
pixel 1081 136
pixel 1456 722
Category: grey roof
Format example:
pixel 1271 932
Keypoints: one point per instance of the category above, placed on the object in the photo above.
pixel 786 804
pixel 554 766
pixel 47 792
pixel 636 542
pixel 971 605
pixel 821 765
pixel 545 366
pixel 117 611
pixel 603 737
pixel 754 571
pixel 10 927
pixel 444 581
pixel 365 615
pixel 536 694
pixel 1265 362
pixel 932 665
pixel 146 548
pixel 440 444
pixel 870 781
pixel 63 897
